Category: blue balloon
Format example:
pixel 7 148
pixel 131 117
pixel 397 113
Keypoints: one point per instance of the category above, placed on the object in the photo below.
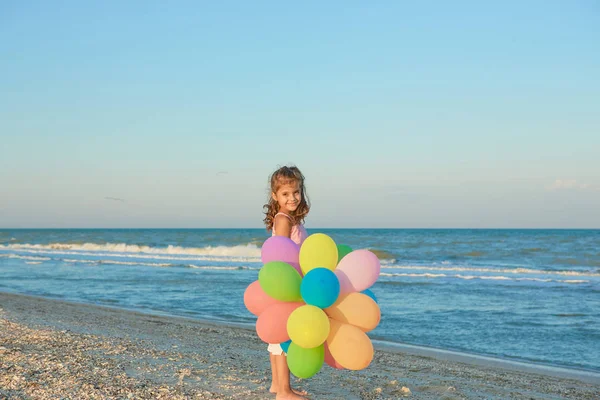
pixel 285 345
pixel 320 287
pixel 370 294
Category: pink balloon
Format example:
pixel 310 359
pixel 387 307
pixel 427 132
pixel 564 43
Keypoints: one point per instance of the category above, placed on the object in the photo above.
pixel 345 284
pixel 357 271
pixel 281 248
pixel 330 360
pixel 271 325
pixel 256 300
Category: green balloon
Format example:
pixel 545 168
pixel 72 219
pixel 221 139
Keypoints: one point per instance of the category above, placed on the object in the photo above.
pixel 304 363
pixel 343 249
pixel 280 280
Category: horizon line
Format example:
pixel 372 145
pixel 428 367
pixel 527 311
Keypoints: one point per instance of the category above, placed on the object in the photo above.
pixel 316 228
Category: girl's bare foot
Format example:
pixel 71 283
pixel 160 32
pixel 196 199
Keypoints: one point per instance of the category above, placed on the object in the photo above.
pixel 289 396
pixel 300 392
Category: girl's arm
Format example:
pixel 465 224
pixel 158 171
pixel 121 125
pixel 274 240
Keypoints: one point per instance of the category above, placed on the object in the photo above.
pixel 284 226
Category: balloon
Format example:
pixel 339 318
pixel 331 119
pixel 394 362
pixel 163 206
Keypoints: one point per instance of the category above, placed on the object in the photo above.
pixel 314 300
pixel 280 281
pixel 343 250
pixel 357 271
pixel 307 326
pixel 320 287
pixel 256 300
pixel 281 248
pixel 271 325
pixel 285 345
pixel 349 346
pixel 356 309
pixel 329 358
pixel 318 250
pixel 369 293
pixel 304 363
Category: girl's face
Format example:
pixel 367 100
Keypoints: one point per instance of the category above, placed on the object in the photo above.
pixel 288 197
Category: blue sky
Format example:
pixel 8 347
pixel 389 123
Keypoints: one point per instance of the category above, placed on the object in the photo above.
pixel 400 114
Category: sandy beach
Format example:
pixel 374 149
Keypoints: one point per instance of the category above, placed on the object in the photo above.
pixel 52 349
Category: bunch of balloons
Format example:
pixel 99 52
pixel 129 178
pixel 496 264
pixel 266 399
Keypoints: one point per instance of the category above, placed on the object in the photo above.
pixel 314 301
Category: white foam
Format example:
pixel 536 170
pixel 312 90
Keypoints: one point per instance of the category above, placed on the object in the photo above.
pixel 424 275
pixel 136 263
pixel 248 250
pixel 153 257
pixel 97 262
pixel 219 253
pixel 79 261
pixel 217 267
pixel 493 270
pixel 495 278
pixel 34 258
pixel 482 277
pixel 33 262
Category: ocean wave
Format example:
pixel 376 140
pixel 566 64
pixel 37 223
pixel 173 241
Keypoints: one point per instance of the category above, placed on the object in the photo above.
pixel 150 264
pixel 115 262
pixel 570 315
pixel 473 253
pixel 424 275
pixel 406 283
pixel 382 254
pixel 80 261
pixel 224 268
pixel 147 257
pixel 576 261
pixel 482 277
pixel 249 250
pixel 533 250
pixel 34 258
pixel 523 271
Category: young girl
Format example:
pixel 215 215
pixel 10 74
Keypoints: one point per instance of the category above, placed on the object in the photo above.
pixel 284 215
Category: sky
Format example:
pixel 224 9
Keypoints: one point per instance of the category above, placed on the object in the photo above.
pixel 431 114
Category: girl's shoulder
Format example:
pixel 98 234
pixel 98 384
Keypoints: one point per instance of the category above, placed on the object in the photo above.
pixel 282 216
pixel 284 221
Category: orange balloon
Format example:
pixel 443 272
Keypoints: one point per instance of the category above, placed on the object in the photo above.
pixel 349 346
pixel 256 300
pixel 271 325
pixel 330 360
pixel 356 309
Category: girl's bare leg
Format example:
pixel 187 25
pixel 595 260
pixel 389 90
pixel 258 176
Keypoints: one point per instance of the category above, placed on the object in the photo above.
pixel 284 390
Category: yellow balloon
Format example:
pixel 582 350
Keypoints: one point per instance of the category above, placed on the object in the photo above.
pixel 356 309
pixel 318 251
pixel 349 346
pixel 308 326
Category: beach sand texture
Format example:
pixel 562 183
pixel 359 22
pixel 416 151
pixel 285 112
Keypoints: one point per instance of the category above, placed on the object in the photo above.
pixel 52 349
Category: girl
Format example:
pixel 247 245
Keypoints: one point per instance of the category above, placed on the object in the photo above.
pixel 284 215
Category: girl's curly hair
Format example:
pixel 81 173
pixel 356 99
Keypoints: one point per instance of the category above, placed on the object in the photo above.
pixel 285 176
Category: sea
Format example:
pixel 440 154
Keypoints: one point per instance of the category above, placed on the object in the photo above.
pixel 531 296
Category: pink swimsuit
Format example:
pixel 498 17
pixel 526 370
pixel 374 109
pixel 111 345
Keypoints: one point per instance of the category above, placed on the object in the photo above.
pixel 298 235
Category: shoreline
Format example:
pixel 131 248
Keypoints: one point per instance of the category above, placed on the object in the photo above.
pixel 583 374
pixel 228 360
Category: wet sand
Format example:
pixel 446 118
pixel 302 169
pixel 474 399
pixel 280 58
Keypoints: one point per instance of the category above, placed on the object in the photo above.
pixel 52 349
